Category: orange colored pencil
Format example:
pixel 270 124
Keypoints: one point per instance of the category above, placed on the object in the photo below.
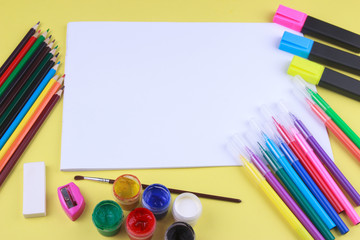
pixel 56 86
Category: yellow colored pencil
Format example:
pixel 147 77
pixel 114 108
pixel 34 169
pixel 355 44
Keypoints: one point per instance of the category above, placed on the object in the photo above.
pixel 27 117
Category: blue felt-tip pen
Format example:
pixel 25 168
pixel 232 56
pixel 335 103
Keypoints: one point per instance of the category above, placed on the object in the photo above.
pixel 314 189
pixel 294 177
pixel 296 164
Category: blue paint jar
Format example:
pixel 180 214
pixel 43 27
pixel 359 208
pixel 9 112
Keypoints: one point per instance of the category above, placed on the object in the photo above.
pixel 157 199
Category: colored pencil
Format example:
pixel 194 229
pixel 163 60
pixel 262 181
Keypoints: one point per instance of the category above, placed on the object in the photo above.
pixel 28 104
pixel 172 190
pixel 44 66
pixel 19 57
pixel 17 50
pixel 28 121
pixel 349 210
pixel 26 72
pixel 23 64
pixel 29 136
pixel 24 95
pixel 28 115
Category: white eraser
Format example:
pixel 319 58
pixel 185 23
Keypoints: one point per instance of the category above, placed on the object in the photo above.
pixel 34 197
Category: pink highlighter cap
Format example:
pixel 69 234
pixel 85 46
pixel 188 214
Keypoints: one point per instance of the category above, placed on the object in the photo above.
pixel 290 18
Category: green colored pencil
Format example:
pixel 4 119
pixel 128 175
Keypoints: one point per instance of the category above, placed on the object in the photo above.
pixel 44 66
pixel 23 62
pixel 333 115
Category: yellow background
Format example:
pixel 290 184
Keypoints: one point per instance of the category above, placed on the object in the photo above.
pixel 254 218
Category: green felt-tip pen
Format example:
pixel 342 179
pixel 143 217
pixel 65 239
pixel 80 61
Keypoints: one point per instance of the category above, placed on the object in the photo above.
pixel 333 115
pixel 295 192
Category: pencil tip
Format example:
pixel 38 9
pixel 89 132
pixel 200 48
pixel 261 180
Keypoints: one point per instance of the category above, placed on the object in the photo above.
pixel 57 55
pixel 58 62
pixel 50 36
pixel 48 30
pixel 38 22
pixel 62 88
pixel 39 31
pixel 53 41
pixel 63 75
pixel 78 177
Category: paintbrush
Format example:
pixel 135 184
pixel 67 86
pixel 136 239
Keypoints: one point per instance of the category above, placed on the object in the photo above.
pixel 172 190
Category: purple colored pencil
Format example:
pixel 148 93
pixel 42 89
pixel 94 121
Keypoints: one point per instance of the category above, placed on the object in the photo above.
pixel 284 195
pixel 326 160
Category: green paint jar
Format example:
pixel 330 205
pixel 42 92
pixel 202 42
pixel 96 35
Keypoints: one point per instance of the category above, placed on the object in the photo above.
pixel 108 217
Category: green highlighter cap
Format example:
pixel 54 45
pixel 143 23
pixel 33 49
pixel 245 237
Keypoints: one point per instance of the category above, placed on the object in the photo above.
pixel 308 70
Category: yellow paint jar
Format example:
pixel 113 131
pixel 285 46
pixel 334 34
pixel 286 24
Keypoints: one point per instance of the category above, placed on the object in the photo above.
pixel 127 191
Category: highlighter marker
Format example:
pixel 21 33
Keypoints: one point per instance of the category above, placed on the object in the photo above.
pixel 320 53
pixel 317 74
pixel 311 26
pixel 294 176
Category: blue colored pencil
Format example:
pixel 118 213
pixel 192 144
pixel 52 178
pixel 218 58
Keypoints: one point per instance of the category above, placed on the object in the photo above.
pixel 28 105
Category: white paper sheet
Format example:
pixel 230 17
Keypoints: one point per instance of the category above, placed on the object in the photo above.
pixel 168 95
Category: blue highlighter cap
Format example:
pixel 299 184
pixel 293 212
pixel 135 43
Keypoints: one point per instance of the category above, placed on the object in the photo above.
pixel 297 45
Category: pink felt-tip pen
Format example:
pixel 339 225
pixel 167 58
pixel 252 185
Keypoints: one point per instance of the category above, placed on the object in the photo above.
pixel 349 210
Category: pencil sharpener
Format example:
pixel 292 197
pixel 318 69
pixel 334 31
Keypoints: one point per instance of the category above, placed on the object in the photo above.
pixel 71 200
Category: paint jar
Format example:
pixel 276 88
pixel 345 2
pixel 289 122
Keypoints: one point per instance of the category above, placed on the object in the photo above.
pixel 180 231
pixel 187 208
pixel 157 199
pixel 108 217
pixel 140 224
pixel 126 190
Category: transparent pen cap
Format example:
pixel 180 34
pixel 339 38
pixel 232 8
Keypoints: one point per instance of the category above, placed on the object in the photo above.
pixel 258 130
pixel 262 150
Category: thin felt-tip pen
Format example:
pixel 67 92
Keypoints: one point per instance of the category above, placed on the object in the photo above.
pixel 281 199
pixel 293 175
pixel 294 191
pixel 326 160
pixel 349 210
pixel 296 151
pixel 299 168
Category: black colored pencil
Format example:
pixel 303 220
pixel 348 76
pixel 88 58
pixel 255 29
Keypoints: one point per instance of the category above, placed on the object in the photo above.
pixel 29 136
pixel 7 119
pixel 18 48
pixel 28 69
pixel 15 94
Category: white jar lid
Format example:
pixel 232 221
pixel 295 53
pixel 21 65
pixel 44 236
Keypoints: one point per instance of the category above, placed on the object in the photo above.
pixel 187 208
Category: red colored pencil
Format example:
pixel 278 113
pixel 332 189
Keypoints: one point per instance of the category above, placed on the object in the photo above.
pixel 18 58
pixel 18 48
pixel 29 136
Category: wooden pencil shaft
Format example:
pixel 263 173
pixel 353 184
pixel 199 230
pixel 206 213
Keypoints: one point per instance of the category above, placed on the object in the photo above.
pixel 17 154
pixel 23 70
pixel 37 71
pixel 17 50
pixel 7 79
pixel 18 103
pixel 21 78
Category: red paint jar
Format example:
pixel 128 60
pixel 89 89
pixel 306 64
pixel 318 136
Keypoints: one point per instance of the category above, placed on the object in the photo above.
pixel 140 224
